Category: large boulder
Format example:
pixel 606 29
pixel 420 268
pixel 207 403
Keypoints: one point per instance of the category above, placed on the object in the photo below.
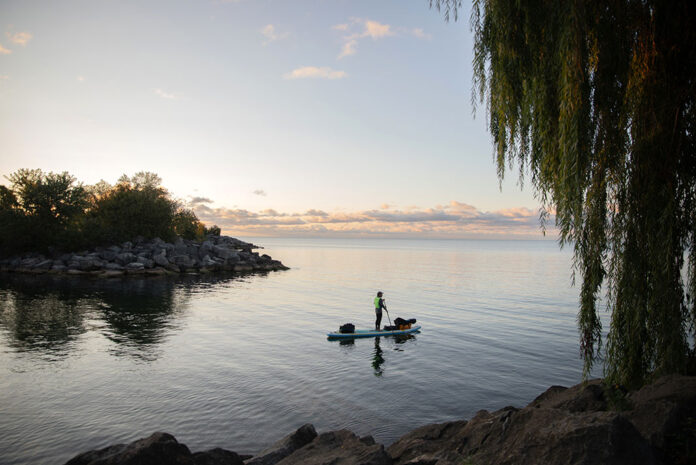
pixel 44 265
pixel 339 447
pixel 159 448
pixel 108 255
pixel 665 414
pixel 286 446
pixel 427 443
pixel 222 251
pixel 113 267
pixel 218 456
pixel 147 263
pixel 161 259
pixel 135 266
pixel 585 424
pixel 125 258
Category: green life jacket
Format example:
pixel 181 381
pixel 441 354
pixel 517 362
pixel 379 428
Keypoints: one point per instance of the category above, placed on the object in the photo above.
pixel 377 306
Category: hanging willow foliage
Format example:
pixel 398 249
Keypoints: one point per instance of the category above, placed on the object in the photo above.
pixel 595 100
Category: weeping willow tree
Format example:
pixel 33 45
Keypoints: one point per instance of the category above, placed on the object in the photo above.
pixel 594 101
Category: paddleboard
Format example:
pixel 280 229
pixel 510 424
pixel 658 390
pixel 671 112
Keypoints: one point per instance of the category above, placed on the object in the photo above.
pixel 372 333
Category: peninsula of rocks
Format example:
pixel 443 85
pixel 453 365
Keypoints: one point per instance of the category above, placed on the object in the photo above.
pixel 154 257
pixel 588 424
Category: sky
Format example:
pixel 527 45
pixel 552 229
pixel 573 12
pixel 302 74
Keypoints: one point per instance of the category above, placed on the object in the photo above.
pixel 267 117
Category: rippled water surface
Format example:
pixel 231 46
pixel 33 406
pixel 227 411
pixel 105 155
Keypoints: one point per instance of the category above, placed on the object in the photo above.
pixel 239 361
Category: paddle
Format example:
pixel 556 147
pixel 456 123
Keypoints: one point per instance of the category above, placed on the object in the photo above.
pixel 385 309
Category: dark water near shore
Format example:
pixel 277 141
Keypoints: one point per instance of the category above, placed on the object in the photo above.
pixel 238 362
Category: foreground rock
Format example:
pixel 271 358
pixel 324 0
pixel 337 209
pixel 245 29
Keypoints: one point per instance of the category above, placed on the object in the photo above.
pixel 578 425
pixel 568 426
pixel 160 448
pixel 152 257
pixel 286 446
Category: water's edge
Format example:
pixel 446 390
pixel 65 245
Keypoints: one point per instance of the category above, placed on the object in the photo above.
pixel 591 422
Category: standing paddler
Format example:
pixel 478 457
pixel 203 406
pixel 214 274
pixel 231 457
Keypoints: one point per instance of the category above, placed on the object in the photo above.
pixel 379 305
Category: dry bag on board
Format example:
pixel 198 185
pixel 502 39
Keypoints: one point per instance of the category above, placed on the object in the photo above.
pixel 347 328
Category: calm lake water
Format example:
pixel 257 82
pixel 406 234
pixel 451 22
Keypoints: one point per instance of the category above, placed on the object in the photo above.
pixel 240 361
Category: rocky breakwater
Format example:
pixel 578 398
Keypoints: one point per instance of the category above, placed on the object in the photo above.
pixel 587 424
pixel 149 257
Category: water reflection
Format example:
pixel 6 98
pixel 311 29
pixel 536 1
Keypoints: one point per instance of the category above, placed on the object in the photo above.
pixel 377 353
pixel 49 315
pixel 377 359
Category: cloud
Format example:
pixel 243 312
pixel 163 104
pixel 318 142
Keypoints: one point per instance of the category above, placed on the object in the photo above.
pixel 454 220
pixel 260 192
pixel 4 51
pixel 315 73
pixel 195 201
pixel 376 30
pixel 80 78
pixel 4 77
pixel 420 34
pixel 358 29
pixel 348 48
pixel 19 38
pixel 166 95
pixel 270 33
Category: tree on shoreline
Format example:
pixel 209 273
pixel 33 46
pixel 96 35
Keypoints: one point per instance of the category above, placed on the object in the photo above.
pixel 596 100
pixel 49 211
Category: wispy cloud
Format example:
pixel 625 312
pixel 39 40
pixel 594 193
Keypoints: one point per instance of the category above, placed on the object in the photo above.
pixel 19 38
pixel 456 220
pixel 420 33
pixel 349 48
pixel 358 29
pixel 166 95
pixel 4 51
pixel 314 72
pixel 260 192
pixel 271 34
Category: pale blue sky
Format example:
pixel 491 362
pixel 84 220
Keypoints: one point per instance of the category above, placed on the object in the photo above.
pixel 340 106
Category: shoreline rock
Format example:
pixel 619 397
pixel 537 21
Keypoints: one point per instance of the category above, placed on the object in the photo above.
pixel 577 425
pixel 149 258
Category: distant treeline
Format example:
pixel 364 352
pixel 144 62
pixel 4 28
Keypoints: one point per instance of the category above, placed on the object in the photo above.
pixel 53 211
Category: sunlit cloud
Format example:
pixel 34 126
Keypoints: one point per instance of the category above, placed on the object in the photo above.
pixel 348 48
pixel 19 38
pixel 4 51
pixel 270 33
pixel 166 95
pixel 454 220
pixel 358 29
pixel 80 79
pixel 314 72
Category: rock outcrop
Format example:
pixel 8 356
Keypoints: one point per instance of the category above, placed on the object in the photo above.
pixel 151 257
pixel 286 446
pixel 587 424
pixel 577 425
